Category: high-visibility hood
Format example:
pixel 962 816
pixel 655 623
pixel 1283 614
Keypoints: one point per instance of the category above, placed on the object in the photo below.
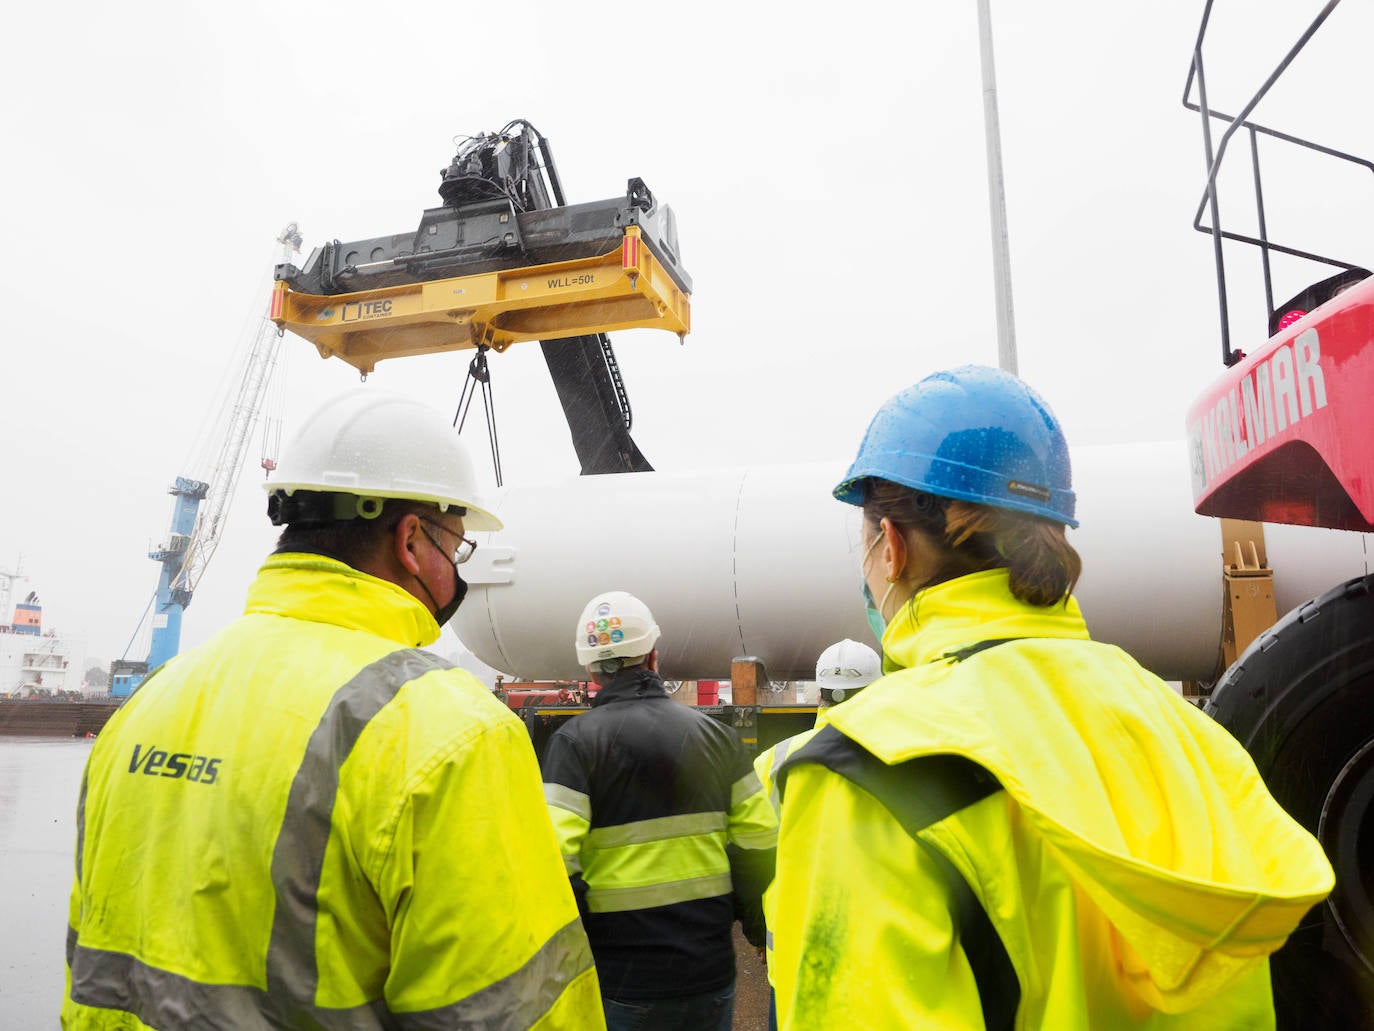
pixel 1156 812
pixel 328 591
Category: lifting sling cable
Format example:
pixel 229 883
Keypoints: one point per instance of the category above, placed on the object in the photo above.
pixel 479 373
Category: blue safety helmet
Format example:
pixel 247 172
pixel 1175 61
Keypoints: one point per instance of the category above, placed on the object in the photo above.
pixel 973 433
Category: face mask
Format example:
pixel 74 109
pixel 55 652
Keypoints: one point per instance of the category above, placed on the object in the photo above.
pixel 876 623
pixel 460 591
pixel 874 610
pixel 443 613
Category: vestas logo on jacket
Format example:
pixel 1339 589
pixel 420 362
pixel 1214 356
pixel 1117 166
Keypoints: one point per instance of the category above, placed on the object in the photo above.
pixel 1271 398
pixel 158 762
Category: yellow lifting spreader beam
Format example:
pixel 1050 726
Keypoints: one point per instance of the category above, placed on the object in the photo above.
pixel 626 288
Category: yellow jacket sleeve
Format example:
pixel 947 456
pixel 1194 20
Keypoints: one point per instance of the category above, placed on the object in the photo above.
pixel 479 899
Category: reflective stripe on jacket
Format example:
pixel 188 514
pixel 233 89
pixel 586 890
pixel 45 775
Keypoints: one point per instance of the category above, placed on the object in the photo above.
pixel 1134 867
pixel 667 835
pixel 307 822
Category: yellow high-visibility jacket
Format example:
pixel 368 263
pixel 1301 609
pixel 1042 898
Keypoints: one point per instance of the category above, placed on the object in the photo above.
pixel 307 822
pixel 1132 865
pixel 766 767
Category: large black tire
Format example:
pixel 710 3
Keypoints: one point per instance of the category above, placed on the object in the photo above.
pixel 1301 701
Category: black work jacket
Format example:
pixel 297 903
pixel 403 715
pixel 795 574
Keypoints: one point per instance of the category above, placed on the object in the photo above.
pixel 667 836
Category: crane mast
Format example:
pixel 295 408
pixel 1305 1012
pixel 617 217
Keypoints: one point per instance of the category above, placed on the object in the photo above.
pixel 200 506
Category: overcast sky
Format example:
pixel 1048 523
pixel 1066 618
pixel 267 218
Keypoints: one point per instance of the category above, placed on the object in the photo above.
pixel 826 167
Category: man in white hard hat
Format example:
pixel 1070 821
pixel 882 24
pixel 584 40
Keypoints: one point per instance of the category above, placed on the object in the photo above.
pixel 665 831
pixel 308 822
pixel 844 668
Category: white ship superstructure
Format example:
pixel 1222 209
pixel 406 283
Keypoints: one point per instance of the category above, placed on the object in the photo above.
pixel 34 661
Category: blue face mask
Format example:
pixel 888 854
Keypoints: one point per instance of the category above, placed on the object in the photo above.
pixel 876 623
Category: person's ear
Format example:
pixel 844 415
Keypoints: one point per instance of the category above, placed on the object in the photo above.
pixel 894 551
pixel 405 543
pixel 651 661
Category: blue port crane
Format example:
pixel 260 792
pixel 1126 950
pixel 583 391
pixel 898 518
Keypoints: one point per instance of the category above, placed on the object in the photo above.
pixel 199 507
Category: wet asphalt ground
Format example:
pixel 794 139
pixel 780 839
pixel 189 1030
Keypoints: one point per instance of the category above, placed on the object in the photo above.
pixel 751 987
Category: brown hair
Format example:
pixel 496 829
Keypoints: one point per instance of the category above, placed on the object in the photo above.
pixel 1042 564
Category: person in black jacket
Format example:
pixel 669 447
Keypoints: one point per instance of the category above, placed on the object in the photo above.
pixel 665 830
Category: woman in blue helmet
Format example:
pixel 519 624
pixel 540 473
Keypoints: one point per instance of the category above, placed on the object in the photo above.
pixel 1015 826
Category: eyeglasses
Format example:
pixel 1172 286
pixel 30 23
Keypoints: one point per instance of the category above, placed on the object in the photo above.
pixel 466 546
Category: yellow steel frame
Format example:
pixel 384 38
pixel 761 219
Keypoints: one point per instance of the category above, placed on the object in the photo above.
pixel 1249 608
pixel 626 288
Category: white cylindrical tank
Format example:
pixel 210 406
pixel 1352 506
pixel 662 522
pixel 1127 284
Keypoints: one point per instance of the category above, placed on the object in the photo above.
pixel 764 562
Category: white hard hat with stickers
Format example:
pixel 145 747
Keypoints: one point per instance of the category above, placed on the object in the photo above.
pixel 844 668
pixel 615 625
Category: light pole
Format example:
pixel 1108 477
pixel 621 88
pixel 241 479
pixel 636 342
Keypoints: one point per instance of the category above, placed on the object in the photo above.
pixel 997 201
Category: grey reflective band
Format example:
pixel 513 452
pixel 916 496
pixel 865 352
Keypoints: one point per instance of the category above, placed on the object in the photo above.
pixel 663 828
pixel 519 999
pixel 780 751
pixel 81 825
pixel 744 788
pixel 159 998
pixel 617 900
pixel 564 797
pixel 298 859
pixel 112 980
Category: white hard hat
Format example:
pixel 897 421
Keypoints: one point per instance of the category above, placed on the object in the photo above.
pixel 615 625
pixel 845 667
pixel 375 444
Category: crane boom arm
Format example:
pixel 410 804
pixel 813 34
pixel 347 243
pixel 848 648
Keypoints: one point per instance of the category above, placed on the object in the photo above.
pixel 243 416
